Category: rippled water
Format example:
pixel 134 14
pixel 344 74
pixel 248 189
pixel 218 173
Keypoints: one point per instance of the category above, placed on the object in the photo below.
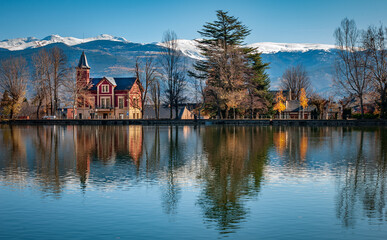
pixel 120 182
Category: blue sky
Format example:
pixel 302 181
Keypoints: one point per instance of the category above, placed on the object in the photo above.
pixel 301 21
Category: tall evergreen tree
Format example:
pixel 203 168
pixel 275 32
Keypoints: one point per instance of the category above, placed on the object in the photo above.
pixel 259 99
pixel 229 68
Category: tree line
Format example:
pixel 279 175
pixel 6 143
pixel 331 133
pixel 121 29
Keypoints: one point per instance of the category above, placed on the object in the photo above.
pixel 361 66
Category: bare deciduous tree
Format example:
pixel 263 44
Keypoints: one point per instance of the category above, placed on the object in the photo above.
pixel 59 70
pixel 320 103
pixel 200 96
pixel 41 79
pixel 173 70
pixel 146 77
pixel 50 72
pixel 374 43
pixel 352 74
pixel 76 93
pixel 155 96
pixel 295 78
pixel 13 79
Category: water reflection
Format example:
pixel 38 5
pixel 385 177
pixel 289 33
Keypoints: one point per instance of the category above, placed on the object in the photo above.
pixel 228 166
pixel 362 180
pixel 236 160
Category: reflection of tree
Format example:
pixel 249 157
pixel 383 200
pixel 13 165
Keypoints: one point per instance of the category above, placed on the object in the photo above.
pixel 153 156
pixel 236 159
pixel 171 192
pixel 47 162
pixel 362 185
pixel 13 144
pixel 294 143
pixel 13 162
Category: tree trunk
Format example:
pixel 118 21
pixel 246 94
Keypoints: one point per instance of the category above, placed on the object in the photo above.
pixel 383 104
pixel 55 101
pixel 361 106
pixel 142 109
pixel 38 110
pixel 176 111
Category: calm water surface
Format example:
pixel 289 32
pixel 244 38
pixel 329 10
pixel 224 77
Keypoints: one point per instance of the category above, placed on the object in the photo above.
pixel 120 182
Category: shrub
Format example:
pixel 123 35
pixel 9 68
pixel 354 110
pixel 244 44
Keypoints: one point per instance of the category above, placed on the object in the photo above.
pixel 366 116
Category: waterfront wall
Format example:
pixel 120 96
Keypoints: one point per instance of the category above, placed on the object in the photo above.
pixel 199 122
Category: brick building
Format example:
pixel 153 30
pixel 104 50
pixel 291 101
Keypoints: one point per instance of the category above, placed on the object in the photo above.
pixel 108 97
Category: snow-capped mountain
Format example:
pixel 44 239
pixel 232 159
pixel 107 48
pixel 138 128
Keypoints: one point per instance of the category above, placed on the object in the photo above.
pixel 270 47
pixel 190 47
pixel 31 42
pixel 115 56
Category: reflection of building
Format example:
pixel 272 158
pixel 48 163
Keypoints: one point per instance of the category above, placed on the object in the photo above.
pixel 135 142
pixel 108 97
pixel 106 143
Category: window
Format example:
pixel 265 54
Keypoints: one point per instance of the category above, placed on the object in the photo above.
pixel 105 88
pixel 120 102
pixel 105 102
pixel 135 102
pixel 134 116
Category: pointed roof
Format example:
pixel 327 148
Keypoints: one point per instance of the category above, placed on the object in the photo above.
pixel 111 80
pixel 83 61
pixel 120 83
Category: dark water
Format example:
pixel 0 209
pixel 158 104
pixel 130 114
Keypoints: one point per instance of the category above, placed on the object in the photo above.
pixel 120 182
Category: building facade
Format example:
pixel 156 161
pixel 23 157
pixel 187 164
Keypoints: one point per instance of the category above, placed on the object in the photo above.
pixel 108 97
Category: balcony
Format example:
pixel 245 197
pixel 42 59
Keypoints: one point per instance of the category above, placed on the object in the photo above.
pixel 102 107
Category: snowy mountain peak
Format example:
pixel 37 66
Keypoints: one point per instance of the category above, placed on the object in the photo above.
pixel 31 42
pixel 270 47
pixel 190 47
pixel 107 37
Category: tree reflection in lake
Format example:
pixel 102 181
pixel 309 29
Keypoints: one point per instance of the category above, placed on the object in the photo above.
pixel 236 160
pixel 362 179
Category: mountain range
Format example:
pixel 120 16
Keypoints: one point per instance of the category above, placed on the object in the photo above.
pixel 115 56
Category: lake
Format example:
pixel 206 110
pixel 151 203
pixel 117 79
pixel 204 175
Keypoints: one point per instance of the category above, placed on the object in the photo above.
pixel 186 182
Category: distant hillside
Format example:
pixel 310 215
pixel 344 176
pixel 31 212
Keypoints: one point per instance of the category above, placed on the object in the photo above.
pixel 115 56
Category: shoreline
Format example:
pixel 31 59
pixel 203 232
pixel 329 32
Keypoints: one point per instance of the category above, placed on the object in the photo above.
pixel 146 122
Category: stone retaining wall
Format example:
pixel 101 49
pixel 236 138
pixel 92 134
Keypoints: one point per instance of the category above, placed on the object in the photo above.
pixel 203 122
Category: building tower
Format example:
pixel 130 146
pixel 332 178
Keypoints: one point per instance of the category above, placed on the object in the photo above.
pixel 83 70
